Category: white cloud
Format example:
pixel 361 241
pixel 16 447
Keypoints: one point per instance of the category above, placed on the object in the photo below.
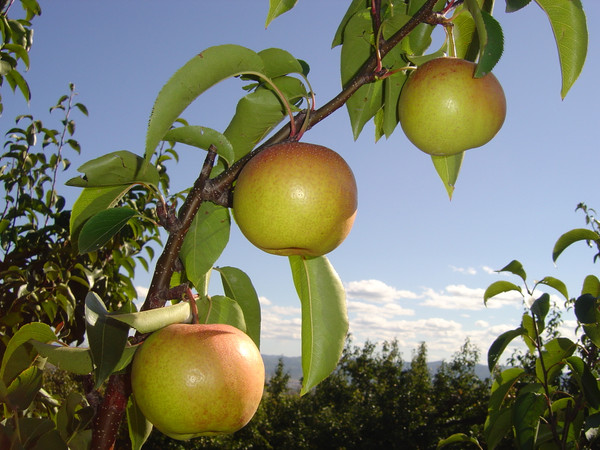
pixel 376 291
pixel 488 270
pixel 465 270
pixel 461 297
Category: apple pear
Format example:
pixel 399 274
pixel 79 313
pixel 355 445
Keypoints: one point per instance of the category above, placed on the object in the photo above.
pixel 194 380
pixel 444 110
pixel 295 198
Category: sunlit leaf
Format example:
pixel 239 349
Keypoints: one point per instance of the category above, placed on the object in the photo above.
pixel 551 363
pixel 23 389
pixel 324 317
pixel 278 62
pixel 458 438
pixel 570 237
pixel 499 287
pixel 556 284
pixel 238 286
pixel 591 285
pixel 516 268
pixel 107 337
pixel 90 202
pixel 204 242
pixel 195 77
pixel 448 168
pixel 500 344
pixel 100 228
pixel 277 8
pixel 357 6
pixel 570 32
pixel 202 137
pixel 117 168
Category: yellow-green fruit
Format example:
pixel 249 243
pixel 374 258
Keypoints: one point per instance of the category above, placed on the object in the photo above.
pixel 444 110
pixel 295 198
pixel 198 380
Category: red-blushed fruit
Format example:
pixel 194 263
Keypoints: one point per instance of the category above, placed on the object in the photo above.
pixel 194 380
pixel 444 110
pixel 295 198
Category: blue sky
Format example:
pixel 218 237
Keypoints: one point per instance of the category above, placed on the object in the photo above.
pixel 416 264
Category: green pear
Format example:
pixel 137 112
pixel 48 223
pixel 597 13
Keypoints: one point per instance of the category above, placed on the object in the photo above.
pixel 198 380
pixel 444 110
pixel 295 198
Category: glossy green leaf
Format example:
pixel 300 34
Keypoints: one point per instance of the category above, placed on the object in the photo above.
pixel 202 137
pixel 77 360
pixel 516 268
pixel 553 357
pixel 591 285
pixel 255 116
pixel 556 284
pixel 23 389
pixel 195 77
pixel 35 330
pixel 117 168
pixel 278 62
pixel 568 22
pixel 491 52
pixel 458 438
pixel 90 202
pixel 448 168
pixel 528 409
pixel 100 228
pixel 238 286
pixel 218 309
pixel 499 345
pixel 357 48
pixel 570 237
pixel 531 333
pixel 138 426
pixel 324 317
pixel 204 242
pixel 357 6
pixel 277 8
pixel 499 287
pixel 107 338
pixel 586 380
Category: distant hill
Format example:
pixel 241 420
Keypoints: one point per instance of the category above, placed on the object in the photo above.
pixel 293 366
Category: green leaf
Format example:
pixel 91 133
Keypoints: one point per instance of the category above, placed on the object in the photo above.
pixel 528 409
pixel 586 380
pixel 541 307
pixel 500 344
pixel 586 309
pixel 491 52
pixel 556 284
pixel 100 228
pixel 570 237
pixel 278 62
pixel 448 168
pixel 499 420
pixel 203 244
pixel 238 286
pixel 23 389
pixel 107 338
pixel 114 169
pixel 568 22
pixel 77 360
pixel 458 438
pixel 324 317
pixel 515 5
pixel 202 137
pixel 195 77
pixel 591 285
pixel 139 427
pixel 499 287
pixel 90 202
pixel 357 6
pixel 516 268
pixel 217 309
pixel 16 80
pixel 556 351
pixel 357 48
pixel 257 113
pixel 277 8
pixel 36 330
pixel 73 417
